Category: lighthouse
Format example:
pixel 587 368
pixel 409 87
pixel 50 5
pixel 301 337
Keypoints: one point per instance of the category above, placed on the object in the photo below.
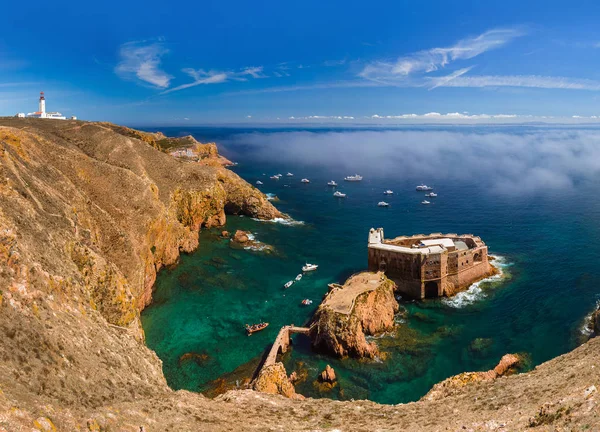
pixel 42 109
pixel 41 112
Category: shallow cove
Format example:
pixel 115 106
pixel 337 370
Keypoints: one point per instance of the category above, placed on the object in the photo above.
pixel 549 242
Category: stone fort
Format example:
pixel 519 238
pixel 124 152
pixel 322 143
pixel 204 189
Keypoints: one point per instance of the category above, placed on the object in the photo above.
pixel 428 266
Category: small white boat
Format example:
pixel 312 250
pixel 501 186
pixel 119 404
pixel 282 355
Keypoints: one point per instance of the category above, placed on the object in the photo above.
pixel 289 174
pixel 425 202
pixel 274 177
pixel 288 284
pixel 388 192
pixel 306 302
pixel 383 204
pixel 304 180
pixel 423 187
pixel 309 267
pixel 353 178
pixel 298 277
pixel 431 194
pixel 279 175
pixel 259 182
pixel 338 194
pixel 331 183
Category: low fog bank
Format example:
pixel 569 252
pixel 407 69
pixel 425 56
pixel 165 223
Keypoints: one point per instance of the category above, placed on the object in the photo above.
pixel 507 162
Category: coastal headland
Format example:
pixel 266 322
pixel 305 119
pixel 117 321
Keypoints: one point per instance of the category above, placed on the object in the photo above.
pixel 89 212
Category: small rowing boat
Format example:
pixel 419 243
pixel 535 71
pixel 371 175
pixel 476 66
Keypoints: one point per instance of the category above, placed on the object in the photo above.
pixel 256 327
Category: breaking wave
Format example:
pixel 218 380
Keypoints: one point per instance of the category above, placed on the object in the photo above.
pixel 282 221
pixel 475 292
pixel 586 328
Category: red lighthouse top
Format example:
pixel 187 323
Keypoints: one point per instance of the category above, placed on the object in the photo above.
pixel 41 95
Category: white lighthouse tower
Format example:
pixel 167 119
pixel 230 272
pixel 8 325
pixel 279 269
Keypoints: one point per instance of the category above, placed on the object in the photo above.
pixel 41 113
pixel 42 109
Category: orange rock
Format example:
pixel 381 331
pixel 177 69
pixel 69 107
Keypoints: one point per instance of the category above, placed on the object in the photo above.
pixel 241 236
pixel 328 375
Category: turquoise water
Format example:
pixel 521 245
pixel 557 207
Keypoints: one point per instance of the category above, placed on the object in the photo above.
pixel 533 204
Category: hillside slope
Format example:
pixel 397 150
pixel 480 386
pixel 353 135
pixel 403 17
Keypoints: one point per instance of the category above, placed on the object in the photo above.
pixel 89 213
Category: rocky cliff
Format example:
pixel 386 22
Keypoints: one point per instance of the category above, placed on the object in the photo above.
pixel 88 214
pixel 364 306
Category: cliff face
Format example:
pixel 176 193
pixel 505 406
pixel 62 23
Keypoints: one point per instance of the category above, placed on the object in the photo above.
pixel 88 214
pixel 351 313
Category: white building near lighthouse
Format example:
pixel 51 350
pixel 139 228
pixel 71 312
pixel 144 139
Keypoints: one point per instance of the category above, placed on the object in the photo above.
pixel 41 113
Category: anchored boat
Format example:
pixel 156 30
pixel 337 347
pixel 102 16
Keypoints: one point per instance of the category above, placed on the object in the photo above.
pixel 259 182
pixel 388 192
pixel 331 183
pixel 309 267
pixel 383 204
pixel 338 194
pixel 256 327
pixel 353 178
pixel 298 277
pixel 423 187
pixel 431 194
pixel 288 284
pixel 304 180
pixel 425 202
pixel 306 302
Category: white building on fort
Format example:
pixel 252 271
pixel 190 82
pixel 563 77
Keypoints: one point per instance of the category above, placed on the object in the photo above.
pixel 41 112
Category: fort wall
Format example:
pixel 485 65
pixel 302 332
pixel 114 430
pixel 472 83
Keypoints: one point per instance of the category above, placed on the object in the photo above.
pixel 423 267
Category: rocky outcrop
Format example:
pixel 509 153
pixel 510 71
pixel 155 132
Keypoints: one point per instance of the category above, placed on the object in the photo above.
pixel 328 375
pixel 241 236
pixel 364 306
pixel 273 379
pixel 455 384
pixel 594 322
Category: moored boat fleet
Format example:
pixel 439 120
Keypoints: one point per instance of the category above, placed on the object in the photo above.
pixel 250 329
pixel 357 178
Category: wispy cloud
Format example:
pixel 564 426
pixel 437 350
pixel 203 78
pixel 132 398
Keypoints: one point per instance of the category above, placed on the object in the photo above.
pixel 426 61
pixel 141 61
pixel 419 69
pixel 535 81
pixel 201 76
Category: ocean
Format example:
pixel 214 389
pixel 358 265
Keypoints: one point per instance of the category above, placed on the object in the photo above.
pixel 530 192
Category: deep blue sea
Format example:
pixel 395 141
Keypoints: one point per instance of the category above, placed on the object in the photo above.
pixel 530 192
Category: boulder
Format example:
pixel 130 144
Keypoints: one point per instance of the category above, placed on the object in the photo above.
pixel 241 236
pixel 225 234
pixel 273 379
pixel 328 375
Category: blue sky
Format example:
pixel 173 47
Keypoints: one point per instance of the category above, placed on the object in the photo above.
pixel 344 62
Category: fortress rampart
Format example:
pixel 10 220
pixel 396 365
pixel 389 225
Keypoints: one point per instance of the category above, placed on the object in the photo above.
pixel 428 266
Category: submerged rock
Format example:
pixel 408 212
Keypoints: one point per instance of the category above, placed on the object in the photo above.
pixel 365 305
pixel 199 358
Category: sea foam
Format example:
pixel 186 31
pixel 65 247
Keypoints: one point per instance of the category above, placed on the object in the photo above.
pixel 475 292
pixel 282 221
